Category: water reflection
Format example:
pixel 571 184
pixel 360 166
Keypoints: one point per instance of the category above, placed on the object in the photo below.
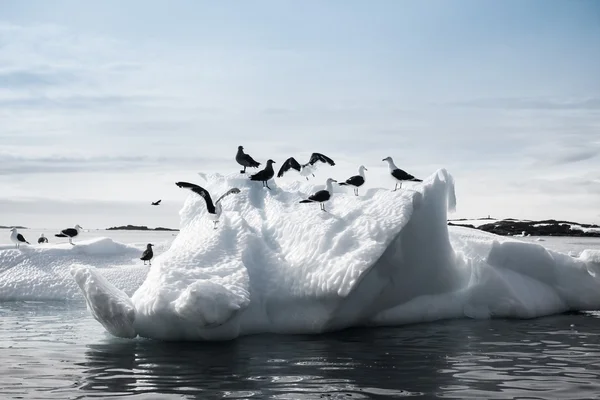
pixel 54 351
pixel 261 366
pixel 543 358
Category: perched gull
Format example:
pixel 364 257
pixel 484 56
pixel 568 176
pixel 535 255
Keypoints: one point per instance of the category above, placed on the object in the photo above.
pixel 245 160
pixel 70 233
pixel 147 254
pixel 356 180
pixel 43 239
pixel 214 209
pixel 399 175
pixel 17 238
pixel 265 174
pixel 304 169
pixel 156 203
pixel 322 195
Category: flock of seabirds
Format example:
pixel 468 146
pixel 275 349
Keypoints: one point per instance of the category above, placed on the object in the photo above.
pixel 245 160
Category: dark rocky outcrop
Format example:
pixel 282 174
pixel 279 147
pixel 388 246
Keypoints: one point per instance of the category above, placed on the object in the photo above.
pixel 549 227
pixel 139 228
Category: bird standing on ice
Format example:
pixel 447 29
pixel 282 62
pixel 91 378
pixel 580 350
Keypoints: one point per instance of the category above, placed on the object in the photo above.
pixel 17 238
pixel 70 233
pixel 42 239
pixel 356 180
pixel 322 195
pixel 245 160
pixel 399 175
pixel 304 169
pixel 147 254
pixel 265 174
pixel 214 209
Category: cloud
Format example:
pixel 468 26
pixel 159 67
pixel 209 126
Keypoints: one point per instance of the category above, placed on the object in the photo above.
pixel 564 151
pixel 71 102
pixel 18 165
pixel 31 78
pixel 532 103
pixel 564 156
pixel 117 109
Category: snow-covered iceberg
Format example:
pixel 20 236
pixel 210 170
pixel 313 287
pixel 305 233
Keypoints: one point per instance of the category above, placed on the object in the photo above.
pixel 41 272
pixel 383 258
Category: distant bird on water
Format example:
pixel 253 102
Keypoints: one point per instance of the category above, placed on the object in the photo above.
pixel 147 254
pixel 156 203
pixel 356 180
pixel 17 238
pixel 70 233
pixel 322 195
pixel 245 160
pixel 42 239
pixel 399 175
pixel 214 209
pixel 304 169
pixel 265 174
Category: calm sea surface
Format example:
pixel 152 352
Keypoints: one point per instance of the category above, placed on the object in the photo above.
pixel 56 350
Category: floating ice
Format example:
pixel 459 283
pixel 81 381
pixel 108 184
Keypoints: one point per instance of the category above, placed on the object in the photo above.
pixel 274 265
pixel 384 258
pixel 42 272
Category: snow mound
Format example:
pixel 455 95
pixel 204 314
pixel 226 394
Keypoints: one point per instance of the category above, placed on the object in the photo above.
pixel 383 258
pixel 41 272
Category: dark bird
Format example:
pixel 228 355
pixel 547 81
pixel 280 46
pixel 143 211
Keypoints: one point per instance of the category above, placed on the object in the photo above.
pixel 42 239
pixel 304 169
pixel 17 238
pixel 245 160
pixel 322 195
pixel 356 180
pixel 70 233
pixel 265 174
pixel 147 254
pixel 399 175
pixel 214 209
pixel 156 203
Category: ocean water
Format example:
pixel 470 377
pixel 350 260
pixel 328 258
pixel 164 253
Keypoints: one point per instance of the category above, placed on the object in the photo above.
pixel 56 350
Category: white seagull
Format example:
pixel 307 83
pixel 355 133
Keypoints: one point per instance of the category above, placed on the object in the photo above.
pixel 304 169
pixel 321 196
pixel 70 233
pixel 17 238
pixel 356 180
pixel 399 175
pixel 214 209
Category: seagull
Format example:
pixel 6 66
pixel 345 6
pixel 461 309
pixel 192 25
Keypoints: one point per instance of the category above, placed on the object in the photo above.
pixel 304 169
pixel 156 203
pixel 17 238
pixel 214 210
pixel 356 180
pixel 245 160
pixel 322 195
pixel 42 239
pixel 147 254
pixel 265 174
pixel 399 175
pixel 70 233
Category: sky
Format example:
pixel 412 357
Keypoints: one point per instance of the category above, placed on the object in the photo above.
pixel 104 105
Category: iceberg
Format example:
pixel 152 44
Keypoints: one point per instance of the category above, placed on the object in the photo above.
pixel 384 258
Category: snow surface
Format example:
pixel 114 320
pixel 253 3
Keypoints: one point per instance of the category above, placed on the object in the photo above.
pixel 382 258
pixel 41 272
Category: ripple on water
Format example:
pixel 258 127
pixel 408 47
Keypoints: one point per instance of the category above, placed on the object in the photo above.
pixel 57 351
